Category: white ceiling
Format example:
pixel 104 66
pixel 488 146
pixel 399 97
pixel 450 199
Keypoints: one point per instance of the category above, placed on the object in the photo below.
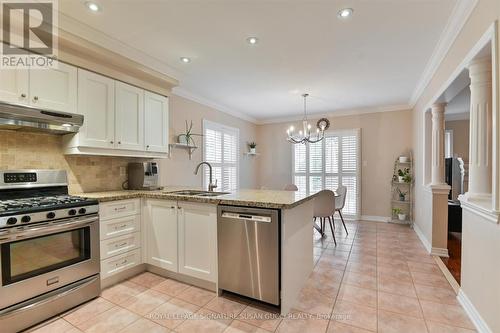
pixel 373 60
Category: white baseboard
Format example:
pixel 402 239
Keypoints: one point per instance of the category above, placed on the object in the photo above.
pixel 422 238
pixel 440 252
pixel 473 314
pixel 375 218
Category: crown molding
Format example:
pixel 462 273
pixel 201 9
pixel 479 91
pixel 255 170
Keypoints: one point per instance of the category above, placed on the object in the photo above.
pixel 182 92
pixel 82 30
pixel 459 16
pixel 339 113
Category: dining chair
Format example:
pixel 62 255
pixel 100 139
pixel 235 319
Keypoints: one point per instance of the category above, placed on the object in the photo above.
pixel 290 187
pixel 324 208
pixel 340 202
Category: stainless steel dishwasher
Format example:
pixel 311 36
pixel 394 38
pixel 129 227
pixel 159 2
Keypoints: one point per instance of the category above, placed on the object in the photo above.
pixel 249 252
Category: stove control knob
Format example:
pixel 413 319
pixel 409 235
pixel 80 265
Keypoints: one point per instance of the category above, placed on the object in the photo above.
pixel 11 220
pixel 51 215
pixel 72 212
pixel 25 219
pixel 82 211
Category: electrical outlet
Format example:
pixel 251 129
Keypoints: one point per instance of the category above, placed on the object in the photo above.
pixel 123 171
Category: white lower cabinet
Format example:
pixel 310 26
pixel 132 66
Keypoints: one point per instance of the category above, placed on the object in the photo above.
pixel 181 237
pixel 120 263
pixel 160 238
pixel 198 240
pixel 120 236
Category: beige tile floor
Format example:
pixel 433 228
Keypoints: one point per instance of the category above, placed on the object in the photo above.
pixel 377 279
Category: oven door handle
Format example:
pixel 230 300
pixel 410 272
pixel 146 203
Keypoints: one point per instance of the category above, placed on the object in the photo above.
pixel 48 229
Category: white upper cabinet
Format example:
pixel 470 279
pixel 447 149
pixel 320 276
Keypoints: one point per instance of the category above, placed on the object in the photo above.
pixel 198 240
pixel 129 113
pixel 96 101
pixel 156 122
pixel 160 233
pixel 14 86
pixel 55 88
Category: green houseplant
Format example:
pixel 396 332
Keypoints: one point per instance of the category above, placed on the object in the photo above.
pixel 402 195
pixel 187 138
pixel 252 146
pixel 404 175
pixel 399 213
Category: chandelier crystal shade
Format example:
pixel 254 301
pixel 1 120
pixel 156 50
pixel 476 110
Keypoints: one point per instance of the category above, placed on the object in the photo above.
pixel 304 135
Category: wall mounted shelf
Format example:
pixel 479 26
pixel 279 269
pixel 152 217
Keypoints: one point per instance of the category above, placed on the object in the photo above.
pixel 190 148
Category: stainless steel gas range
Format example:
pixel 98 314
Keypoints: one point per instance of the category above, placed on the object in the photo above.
pixel 49 247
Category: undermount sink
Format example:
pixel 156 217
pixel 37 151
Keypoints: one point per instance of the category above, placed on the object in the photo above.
pixel 198 193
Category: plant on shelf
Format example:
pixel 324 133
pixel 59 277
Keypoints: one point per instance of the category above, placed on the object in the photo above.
pixel 251 146
pixel 187 138
pixel 399 213
pixel 404 175
pixel 402 195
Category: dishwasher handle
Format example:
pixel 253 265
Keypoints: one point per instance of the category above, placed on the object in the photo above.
pixel 246 217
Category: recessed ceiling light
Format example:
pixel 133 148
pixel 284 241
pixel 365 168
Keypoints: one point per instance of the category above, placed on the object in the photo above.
pixel 252 40
pixel 92 6
pixel 185 60
pixel 345 13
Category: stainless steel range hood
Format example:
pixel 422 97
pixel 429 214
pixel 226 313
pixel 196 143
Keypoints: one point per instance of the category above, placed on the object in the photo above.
pixel 19 117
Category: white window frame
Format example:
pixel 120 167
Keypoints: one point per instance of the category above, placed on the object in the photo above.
pixel 448 143
pixel 347 132
pixel 228 129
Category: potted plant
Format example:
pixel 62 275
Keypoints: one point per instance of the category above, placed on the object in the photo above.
pixel 404 175
pixel 399 213
pixel 252 146
pixel 402 195
pixel 187 138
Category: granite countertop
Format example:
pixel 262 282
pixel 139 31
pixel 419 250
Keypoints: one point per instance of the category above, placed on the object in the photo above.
pixel 249 198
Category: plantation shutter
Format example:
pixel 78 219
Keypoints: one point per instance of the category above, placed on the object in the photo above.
pixel 221 150
pixel 329 163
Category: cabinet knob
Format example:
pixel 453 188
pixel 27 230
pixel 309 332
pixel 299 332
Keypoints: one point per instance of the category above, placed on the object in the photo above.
pixel 111 142
pixel 35 98
pixel 23 95
pixel 119 142
pixel 147 147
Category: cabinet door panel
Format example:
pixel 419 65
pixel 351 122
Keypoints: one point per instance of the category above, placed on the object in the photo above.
pixel 129 113
pixel 198 241
pixel 55 88
pixel 156 121
pixel 14 86
pixel 160 225
pixel 96 101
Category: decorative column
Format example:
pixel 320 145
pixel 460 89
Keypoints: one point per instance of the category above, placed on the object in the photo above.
pixel 438 129
pixel 480 172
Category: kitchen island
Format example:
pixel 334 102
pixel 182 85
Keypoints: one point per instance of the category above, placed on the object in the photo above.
pixel 295 216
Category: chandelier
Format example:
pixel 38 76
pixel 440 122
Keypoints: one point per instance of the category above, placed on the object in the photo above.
pixel 304 135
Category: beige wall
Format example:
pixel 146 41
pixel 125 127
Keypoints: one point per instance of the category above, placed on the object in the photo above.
pixel 480 275
pixel 384 137
pixel 179 169
pixel 460 130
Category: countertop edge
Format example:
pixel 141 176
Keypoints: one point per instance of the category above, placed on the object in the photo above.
pixel 217 201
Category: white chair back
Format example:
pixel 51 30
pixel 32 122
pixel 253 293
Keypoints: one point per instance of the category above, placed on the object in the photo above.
pixel 290 187
pixel 324 204
pixel 340 200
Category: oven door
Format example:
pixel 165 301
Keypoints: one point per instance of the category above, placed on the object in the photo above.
pixel 39 258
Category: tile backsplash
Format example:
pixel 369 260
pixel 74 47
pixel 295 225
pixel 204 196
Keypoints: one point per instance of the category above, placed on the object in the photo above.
pixel 31 150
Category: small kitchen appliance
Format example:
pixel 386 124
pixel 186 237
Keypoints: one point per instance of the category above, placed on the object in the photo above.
pixel 143 176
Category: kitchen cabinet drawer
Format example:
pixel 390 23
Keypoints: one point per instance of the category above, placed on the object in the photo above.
pixel 120 263
pixel 120 226
pixel 114 209
pixel 118 245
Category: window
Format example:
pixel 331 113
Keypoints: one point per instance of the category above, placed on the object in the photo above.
pixel 221 150
pixel 329 163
